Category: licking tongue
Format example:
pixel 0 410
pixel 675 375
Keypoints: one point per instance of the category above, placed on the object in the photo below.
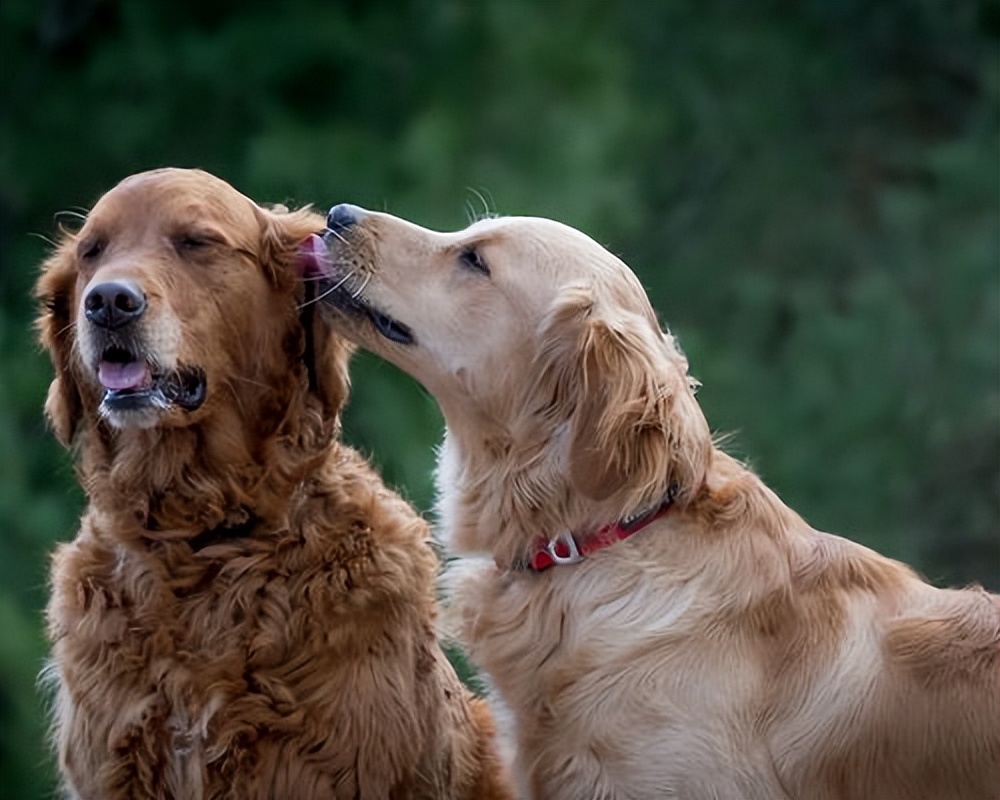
pixel 128 375
pixel 314 260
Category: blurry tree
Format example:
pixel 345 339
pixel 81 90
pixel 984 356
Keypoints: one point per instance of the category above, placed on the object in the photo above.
pixel 809 189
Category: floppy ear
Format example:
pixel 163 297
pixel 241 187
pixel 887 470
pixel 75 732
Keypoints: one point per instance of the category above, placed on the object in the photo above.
pixel 55 292
pixel 633 420
pixel 324 353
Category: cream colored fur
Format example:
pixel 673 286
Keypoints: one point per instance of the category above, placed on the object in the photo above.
pixel 726 651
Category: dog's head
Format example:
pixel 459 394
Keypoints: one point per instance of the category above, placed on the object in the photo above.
pixel 179 297
pixel 534 339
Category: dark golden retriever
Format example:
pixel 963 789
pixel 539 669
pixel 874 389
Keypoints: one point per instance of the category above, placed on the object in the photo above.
pixel 246 610
pixel 658 622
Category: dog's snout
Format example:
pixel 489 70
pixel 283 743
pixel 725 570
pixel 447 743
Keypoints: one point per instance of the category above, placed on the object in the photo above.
pixel 114 303
pixel 343 215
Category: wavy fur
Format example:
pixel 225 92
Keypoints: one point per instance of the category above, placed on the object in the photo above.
pixel 246 610
pixel 728 650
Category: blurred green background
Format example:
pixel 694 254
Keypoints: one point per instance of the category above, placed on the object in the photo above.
pixel 808 188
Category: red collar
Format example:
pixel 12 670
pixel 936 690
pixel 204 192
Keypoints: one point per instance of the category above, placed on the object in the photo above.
pixel 569 549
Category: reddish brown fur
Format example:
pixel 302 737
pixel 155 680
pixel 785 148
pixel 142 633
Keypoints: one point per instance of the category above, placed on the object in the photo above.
pixel 295 657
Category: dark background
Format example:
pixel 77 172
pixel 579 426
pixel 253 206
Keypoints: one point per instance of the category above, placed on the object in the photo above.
pixel 808 189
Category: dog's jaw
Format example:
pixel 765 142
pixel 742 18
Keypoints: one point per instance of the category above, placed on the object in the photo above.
pixel 144 406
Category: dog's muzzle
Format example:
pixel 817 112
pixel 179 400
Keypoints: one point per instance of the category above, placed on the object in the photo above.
pixel 130 376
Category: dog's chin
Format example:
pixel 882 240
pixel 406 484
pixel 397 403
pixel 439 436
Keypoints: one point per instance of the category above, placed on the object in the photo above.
pixel 144 401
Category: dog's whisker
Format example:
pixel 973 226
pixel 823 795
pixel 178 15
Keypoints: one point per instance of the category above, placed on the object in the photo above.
pixel 67 328
pixel 341 282
pixel 474 216
pixel 338 234
pixel 318 298
pixel 44 238
pixel 479 195
pixel 315 278
pixel 327 292
pixel 355 295
pixel 335 286
pixel 78 216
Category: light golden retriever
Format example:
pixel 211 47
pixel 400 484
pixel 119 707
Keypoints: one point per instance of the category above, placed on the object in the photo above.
pixel 658 623
pixel 246 610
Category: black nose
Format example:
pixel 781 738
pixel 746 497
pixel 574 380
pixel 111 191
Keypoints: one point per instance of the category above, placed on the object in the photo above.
pixel 343 215
pixel 113 304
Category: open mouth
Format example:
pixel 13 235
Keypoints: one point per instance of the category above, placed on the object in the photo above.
pixel 340 289
pixel 131 384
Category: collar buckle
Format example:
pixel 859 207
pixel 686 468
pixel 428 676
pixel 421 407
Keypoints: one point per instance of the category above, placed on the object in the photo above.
pixel 563 549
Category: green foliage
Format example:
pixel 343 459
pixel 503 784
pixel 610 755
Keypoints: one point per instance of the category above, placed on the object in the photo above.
pixel 808 189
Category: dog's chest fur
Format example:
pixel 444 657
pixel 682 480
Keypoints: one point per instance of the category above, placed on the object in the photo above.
pixel 604 688
pixel 233 670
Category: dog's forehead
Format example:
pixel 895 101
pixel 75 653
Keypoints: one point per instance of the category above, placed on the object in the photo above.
pixel 566 250
pixel 546 234
pixel 185 196
pixel 530 227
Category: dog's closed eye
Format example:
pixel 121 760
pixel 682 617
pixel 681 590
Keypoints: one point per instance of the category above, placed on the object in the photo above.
pixel 91 248
pixel 472 258
pixel 194 241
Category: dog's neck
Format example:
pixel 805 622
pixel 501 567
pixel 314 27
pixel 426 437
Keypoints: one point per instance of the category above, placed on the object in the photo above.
pixel 569 547
pixel 495 498
pixel 179 482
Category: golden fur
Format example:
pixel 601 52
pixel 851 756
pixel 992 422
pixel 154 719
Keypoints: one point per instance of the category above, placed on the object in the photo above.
pixel 727 650
pixel 246 610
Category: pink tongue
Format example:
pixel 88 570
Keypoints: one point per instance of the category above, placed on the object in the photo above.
pixel 314 260
pixel 115 375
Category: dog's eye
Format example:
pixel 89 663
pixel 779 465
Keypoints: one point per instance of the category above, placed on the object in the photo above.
pixel 191 242
pixel 91 249
pixel 194 241
pixel 471 259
